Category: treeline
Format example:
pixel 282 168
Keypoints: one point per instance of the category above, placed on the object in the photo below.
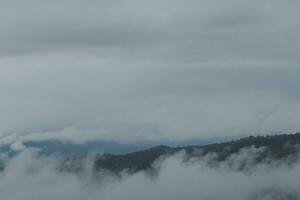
pixel 276 147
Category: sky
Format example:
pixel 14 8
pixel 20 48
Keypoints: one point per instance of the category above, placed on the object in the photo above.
pixel 160 70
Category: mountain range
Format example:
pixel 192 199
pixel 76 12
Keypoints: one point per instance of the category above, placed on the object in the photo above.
pixel 283 147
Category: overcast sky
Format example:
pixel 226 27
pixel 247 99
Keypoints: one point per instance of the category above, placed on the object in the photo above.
pixel 135 70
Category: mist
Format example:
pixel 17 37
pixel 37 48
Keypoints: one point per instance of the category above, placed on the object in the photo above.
pixel 138 73
pixel 30 177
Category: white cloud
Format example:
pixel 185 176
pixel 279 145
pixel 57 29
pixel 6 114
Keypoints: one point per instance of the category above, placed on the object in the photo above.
pixel 17 146
pixel 29 177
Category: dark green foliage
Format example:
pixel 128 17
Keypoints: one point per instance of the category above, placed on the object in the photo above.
pixel 136 161
pixel 278 147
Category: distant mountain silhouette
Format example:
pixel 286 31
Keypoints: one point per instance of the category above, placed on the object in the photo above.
pixel 277 146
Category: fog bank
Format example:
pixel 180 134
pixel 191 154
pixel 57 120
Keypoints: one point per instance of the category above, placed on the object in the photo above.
pixel 29 177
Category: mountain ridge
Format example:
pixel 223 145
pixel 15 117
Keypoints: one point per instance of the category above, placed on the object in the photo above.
pixel 278 147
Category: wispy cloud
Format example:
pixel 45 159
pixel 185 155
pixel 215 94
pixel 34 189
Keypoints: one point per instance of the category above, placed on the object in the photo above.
pixel 28 177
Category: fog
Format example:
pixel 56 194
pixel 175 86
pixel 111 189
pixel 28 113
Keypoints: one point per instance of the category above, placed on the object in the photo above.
pixel 30 177
pixel 148 72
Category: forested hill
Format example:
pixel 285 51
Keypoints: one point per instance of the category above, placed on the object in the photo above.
pixel 277 147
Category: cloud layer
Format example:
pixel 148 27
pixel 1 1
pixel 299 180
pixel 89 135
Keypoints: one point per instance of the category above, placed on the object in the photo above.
pixel 30 178
pixel 136 70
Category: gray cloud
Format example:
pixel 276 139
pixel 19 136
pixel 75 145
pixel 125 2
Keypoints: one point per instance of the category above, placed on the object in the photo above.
pixel 159 70
pixel 28 177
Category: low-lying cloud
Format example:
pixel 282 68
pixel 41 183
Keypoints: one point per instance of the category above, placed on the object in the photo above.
pixel 28 177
